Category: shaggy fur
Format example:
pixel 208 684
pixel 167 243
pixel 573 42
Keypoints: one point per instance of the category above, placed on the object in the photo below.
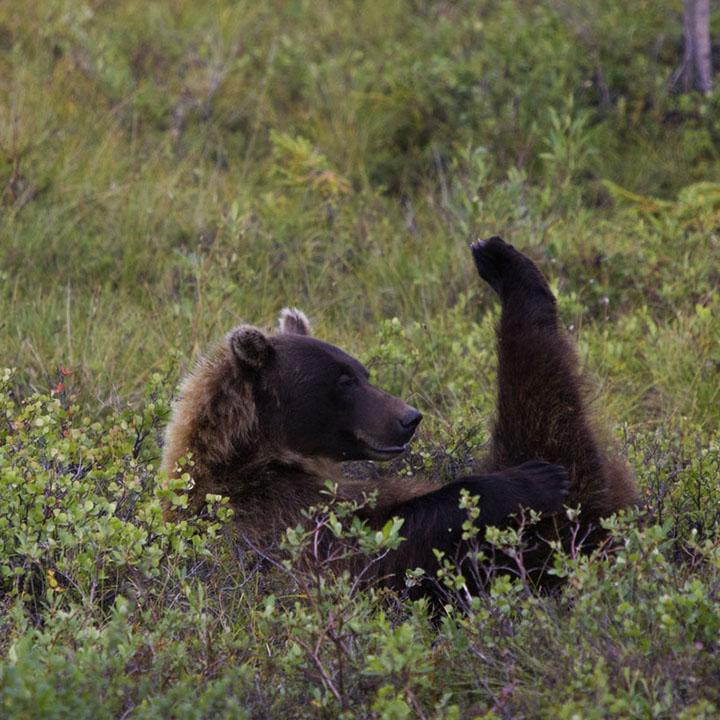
pixel 541 408
pixel 215 421
pixel 267 417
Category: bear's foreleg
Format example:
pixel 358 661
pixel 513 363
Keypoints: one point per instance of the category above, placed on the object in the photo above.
pixel 434 521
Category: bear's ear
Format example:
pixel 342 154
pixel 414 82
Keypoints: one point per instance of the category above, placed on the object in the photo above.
pixel 294 322
pixel 250 346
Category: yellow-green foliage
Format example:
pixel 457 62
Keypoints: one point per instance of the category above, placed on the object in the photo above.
pixel 171 168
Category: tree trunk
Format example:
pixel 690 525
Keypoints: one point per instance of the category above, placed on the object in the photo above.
pixel 696 70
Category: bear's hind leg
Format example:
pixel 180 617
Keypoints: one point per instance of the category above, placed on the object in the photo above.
pixel 540 409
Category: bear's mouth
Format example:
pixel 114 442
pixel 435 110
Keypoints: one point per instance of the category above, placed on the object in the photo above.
pixel 372 450
pixel 385 453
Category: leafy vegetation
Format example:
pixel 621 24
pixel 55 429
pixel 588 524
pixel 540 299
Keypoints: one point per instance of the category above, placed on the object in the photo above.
pixel 170 169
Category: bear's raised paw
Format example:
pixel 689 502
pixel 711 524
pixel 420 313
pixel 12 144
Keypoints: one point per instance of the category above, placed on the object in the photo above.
pixel 506 269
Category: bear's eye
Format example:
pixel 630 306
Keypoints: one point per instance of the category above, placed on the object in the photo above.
pixel 347 381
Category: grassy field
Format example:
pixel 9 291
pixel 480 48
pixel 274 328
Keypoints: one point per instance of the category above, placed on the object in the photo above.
pixel 169 169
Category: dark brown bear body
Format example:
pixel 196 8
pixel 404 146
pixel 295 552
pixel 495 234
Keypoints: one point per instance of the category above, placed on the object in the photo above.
pixel 267 417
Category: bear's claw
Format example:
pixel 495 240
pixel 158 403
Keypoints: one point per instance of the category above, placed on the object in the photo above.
pixel 550 483
pixel 507 270
pixel 492 259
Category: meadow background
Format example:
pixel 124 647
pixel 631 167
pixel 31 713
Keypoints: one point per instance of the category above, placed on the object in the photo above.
pixel 171 168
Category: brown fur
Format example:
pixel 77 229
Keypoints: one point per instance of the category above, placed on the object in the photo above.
pixel 215 421
pixel 266 418
pixel 542 407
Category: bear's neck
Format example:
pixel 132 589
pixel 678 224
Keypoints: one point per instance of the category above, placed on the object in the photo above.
pixel 269 494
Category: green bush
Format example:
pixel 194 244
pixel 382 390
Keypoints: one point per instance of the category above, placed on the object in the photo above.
pixel 110 609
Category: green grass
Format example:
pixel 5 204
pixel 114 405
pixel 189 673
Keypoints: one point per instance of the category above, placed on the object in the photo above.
pixel 170 169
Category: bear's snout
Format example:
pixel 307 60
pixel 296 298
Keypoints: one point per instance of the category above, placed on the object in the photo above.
pixel 411 419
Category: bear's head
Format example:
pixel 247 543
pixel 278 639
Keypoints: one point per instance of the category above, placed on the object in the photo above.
pixel 313 399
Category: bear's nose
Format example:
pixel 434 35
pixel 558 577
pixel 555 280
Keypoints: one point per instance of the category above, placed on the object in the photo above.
pixel 411 419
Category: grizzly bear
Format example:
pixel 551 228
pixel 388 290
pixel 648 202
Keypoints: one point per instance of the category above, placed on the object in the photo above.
pixel 267 417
